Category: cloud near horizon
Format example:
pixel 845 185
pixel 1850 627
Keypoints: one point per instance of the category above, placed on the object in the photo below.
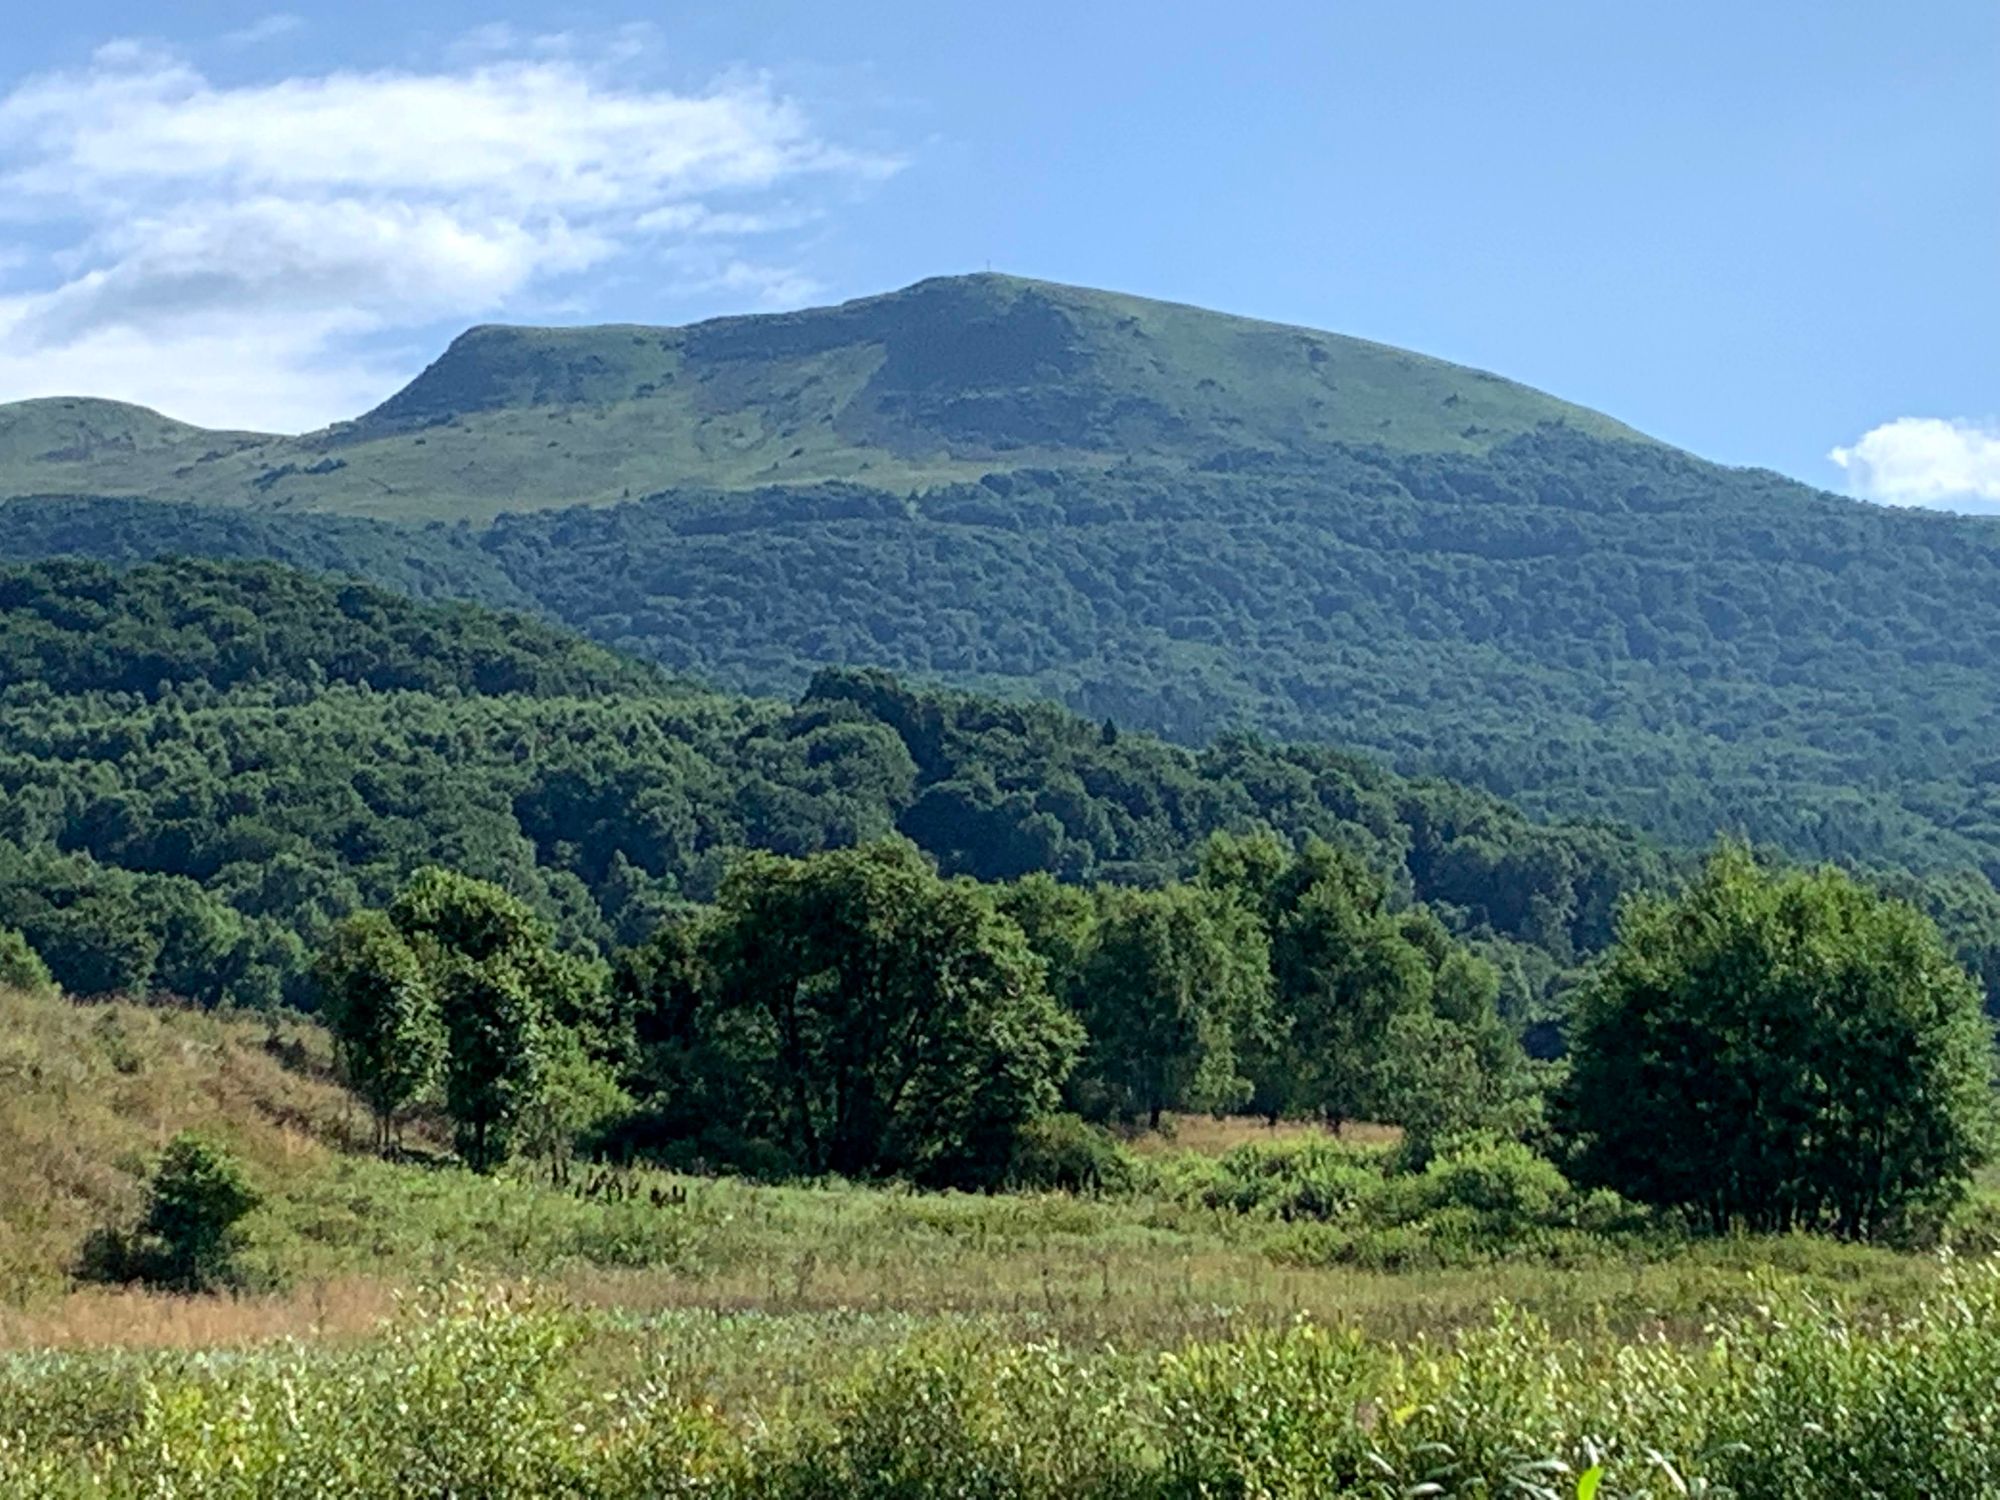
pixel 261 255
pixel 1929 461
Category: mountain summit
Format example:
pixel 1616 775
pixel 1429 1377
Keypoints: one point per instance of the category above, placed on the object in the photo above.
pixel 951 378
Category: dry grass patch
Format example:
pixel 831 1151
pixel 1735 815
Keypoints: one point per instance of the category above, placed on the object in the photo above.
pixel 90 1094
pixel 1208 1136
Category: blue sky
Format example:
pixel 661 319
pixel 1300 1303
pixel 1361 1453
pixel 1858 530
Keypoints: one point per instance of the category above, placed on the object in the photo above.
pixel 1767 233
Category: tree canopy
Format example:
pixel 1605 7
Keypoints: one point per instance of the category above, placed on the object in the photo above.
pixel 860 1014
pixel 1781 1050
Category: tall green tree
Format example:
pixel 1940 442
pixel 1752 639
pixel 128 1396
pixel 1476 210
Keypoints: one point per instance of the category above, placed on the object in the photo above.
pixel 1173 987
pixel 1781 1049
pixel 501 987
pixel 877 1019
pixel 382 1009
pixel 1378 1013
pixel 496 1055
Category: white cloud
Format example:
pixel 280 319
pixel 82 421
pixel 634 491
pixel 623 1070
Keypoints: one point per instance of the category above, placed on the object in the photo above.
pixel 311 217
pixel 267 29
pixel 1925 461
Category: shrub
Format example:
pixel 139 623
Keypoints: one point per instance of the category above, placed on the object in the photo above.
pixel 190 1234
pixel 1300 1179
pixel 1506 1188
pixel 1065 1153
pixel 21 968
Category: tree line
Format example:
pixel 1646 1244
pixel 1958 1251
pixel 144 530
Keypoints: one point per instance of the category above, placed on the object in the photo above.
pixel 1772 1049
pixel 855 1012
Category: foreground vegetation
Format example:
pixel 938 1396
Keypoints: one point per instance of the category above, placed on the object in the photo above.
pixel 476 1395
pixel 1232 1309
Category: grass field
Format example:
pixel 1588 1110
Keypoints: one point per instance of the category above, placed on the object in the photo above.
pixel 95 1092
pixel 638 1333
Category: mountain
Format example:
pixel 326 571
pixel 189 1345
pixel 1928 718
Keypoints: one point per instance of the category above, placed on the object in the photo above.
pixel 952 378
pixel 1185 522
pixel 69 444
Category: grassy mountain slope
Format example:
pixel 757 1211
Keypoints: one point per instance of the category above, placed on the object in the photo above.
pixel 94 1092
pixel 948 379
pixel 73 444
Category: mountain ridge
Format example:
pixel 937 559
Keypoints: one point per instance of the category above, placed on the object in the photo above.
pixel 948 379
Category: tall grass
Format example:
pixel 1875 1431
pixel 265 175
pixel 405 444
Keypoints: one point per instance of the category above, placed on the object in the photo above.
pixel 90 1094
pixel 480 1394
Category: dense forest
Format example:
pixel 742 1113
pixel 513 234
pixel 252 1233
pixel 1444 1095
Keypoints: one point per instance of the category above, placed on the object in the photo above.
pixel 195 813
pixel 1587 628
pixel 203 765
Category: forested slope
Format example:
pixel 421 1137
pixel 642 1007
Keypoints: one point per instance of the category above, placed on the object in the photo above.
pixel 292 748
pixel 1589 628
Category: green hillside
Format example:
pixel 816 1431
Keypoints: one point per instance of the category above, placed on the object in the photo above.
pixel 1588 628
pixel 948 379
pixel 78 443
pixel 1187 522
pixel 189 814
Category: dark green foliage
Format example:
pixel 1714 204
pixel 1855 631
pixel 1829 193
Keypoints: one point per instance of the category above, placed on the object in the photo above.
pixel 494 1055
pixel 1067 1154
pixel 21 968
pixel 860 1014
pixel 106 930
pixel 80 627
pixel 502 993
pixel 379 1004
pixel 1172 986
pixel 1591 628
pixel 204 840
pixel 1781 1050
pixel 1377 1012
pixel 440 564
pixel 189 1237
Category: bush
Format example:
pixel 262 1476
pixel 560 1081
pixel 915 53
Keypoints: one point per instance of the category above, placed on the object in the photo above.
pixel 21 968
pixel 1067 1154
pixel 1485 1198
pixel 189 1238
pixel 1301 1179
pixel 1505 1187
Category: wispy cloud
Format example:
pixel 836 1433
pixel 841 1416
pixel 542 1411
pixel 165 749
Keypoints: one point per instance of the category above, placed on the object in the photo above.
pixel 266 29
pixel 1950 464
pixel 278 232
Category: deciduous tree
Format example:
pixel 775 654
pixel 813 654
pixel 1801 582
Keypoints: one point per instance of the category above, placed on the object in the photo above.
pixel 1781 1050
